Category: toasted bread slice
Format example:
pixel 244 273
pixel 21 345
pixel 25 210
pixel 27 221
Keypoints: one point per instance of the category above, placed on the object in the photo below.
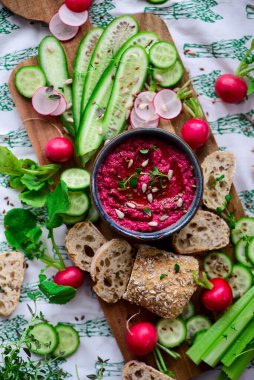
pixel 12 271
pixel 111 269
pixel 82 241
pixel 161 281
pixel 205 232
pixel 218 170
pixel 135 370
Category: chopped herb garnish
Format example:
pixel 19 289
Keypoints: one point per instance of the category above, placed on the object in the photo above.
pixel 147 211
pixel 219 210
pixel 138 170
pixel 177 268
pixel 163 275
pixel 155 175
pixel 154 147
pixel 228 197
pixel 218 179
pixel 152 182
pixel 228 216
pixel 133 182
pixel 144 151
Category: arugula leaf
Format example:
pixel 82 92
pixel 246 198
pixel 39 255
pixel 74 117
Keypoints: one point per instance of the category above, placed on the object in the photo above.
pixel 57 203
pixel 56 294
pixel 9 164
pixel 35 198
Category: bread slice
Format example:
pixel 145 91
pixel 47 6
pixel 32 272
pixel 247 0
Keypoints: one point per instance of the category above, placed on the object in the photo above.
pixel 135 370
pixel 205 232
pixel 12 271
pixel 161 281
pixel 218 169
pixel 111 269
pixel 82 241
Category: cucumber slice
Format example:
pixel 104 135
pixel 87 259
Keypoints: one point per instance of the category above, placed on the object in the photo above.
pixel 241 253
pixel 250 250
pixel 69 220
pixel 157 1
pixel 68 341
pixel 188 311
pixel 42 338
pixel 171 333
pixel 93 215
pixel 196 324
pixel 169 77
pixel 163 55
pixel 113 37
pixel 243 227
pixel 28 79
pixel 53 62
pixel 217 264
pixel 76 179
pixel 240 280
pixel 79 203
pixel 81 64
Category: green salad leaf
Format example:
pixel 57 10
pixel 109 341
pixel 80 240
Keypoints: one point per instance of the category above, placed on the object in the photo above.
pixel 57 294
pixel 35 198
pixel 9 164
pixel 57 203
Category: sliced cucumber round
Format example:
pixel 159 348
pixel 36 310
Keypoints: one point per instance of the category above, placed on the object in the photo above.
pixel 69 220
pixel 163 55
pixel 217 264
pixel 28 79
pixel 76 179
pixel 171 333
pixel 42 338
pixel 243 227
pixel 196 324
pixel 241 253
pixel 250 250
pixel 93 214
pixel 169 77
pixel 240 280
pixel 68 341
pixel 188 311
pixel 79 203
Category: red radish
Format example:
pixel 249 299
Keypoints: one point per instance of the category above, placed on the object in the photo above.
pixel 59 149
pixel 61 108
pixel 42 103
pixel 60 30
pixel 136 122
pixel 195 132
pixel 141 338
pixel 71 18
pixel 167 105
pixel 71 276
pixel 78 5
pixel 144 106
pixel 231 88
pixel 219 297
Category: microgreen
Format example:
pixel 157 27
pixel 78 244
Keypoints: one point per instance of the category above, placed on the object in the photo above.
pixel 147 211
pixel 99 372
pixel 177 268
pixel 246 67
pixel 162 276
pixel 157 175
pixel 220 178
pixel 154 147
pixel 227 215
pixel 131 181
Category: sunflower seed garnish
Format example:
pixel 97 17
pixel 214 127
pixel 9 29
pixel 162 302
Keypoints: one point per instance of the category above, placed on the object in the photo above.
pixel 144 187
pixel 150 198
pixel 130 163
pixel 119 214
pixel 152 224
pixel 170 174
pixel 179 202
pixel 155 189
pixel 163 218
pixel 130 205
pixel 145 163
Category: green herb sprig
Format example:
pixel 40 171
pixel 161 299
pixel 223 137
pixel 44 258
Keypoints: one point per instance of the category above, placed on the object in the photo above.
pixel 227 215
pixel 100 372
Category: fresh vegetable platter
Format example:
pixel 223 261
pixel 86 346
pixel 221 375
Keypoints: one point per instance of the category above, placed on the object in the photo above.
pixel 39 133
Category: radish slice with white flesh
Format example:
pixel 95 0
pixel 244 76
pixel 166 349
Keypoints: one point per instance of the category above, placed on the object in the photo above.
pixel 144 107
pixel 136 122
pixel 60 30
pixel 42 103
pixel 61 108
pixel 71 18
pixel 167 105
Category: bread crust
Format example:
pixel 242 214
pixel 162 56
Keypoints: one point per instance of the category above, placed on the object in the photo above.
pixel 134 370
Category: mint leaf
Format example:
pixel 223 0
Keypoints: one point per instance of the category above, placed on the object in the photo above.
pixel 35 198
pixel 57 203
pixel 56 294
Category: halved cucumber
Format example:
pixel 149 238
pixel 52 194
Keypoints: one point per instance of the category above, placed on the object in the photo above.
pixel 69 220
pixel 169 77
pixel 28 79
pixel 76 179
pixel 42 338
pixel 171 333
pixel 196 324
pixel 68 341
pixel 243 227
pixel 217 264
pixel 53 62
pixel 81 64
pixel 250 250
pixel 79 203
pixel 240 280
pixel 241 253
pixel 163 55
pixel 188 311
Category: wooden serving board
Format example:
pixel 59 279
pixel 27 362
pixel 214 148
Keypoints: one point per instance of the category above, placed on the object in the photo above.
pixel 40 131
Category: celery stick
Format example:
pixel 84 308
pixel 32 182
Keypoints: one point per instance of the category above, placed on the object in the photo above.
pixel 201 346
pixel 222 376
pixel 235 371
pixel 239 345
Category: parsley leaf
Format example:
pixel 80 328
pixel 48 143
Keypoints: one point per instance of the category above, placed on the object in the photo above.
pixel 147 211
pixel 133 182
pixel 162 276
pixel 138 170
pixel 220 178
pixel 57 294
pixel 57 203
pixel 177 268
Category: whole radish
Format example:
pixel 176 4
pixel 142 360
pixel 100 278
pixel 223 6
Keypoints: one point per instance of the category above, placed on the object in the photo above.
pixel 219 297
pixel 78 5
pixel 71 276
pixel 141 338
pixel 59 149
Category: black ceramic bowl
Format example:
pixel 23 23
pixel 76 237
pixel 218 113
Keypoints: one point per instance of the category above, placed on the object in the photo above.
pixel 172 140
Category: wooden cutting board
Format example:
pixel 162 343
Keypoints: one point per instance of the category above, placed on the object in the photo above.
pixel 40 131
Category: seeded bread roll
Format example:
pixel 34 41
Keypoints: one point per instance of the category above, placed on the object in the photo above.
pixel 218 170
pixel 111 269
pixel 12 270
pixel 161 281
pixel 205 232
pixel 82 241
pixel 135 370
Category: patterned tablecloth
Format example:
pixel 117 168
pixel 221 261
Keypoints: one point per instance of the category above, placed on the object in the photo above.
pixel 211 37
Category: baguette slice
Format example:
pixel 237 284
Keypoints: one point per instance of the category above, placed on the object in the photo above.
pixel 205 232
pixel 82 241
pixel 158 285
pixel 218 169
pixel 12 271
pixel 111 269
pixel 135 370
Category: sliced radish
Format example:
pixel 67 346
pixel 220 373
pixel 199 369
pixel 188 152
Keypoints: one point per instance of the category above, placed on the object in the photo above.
pixel 60 30
pixel 42 103
pixel 71 18
pixel 61 108
pixel 144 106
pixel 137 122
pixel 167 105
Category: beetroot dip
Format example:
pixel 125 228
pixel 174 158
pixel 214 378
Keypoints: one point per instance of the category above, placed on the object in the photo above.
pixel 146 185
